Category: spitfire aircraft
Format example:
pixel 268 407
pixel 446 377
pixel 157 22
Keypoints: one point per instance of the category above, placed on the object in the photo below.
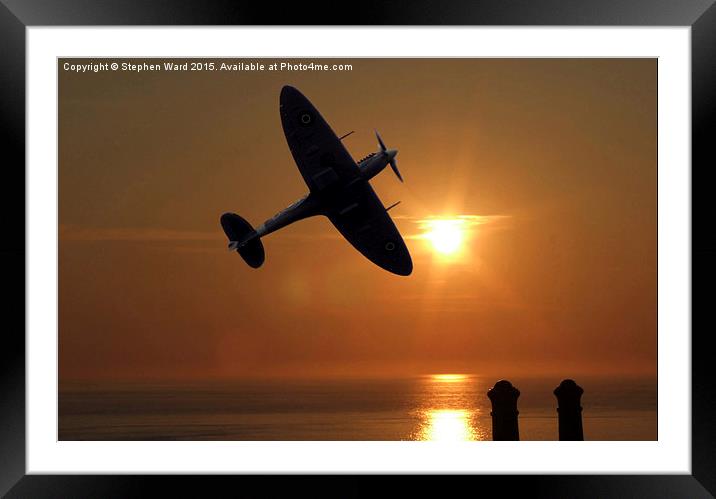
pixel 339 189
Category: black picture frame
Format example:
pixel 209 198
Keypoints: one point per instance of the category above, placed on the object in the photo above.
pixel 17 15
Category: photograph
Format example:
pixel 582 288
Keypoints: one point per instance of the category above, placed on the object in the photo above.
pixel 357 249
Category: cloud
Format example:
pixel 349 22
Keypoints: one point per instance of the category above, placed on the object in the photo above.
pixel 466 223
pixel 74 233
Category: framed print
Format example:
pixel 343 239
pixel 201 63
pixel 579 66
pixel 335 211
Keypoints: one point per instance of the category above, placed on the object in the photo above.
pixel 461 242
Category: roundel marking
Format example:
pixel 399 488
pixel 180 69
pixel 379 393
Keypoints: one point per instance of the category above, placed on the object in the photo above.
pixel 306 118
pixel 390 246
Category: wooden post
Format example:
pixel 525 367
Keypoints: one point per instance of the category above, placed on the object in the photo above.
pixel 504 411
pixel 569 395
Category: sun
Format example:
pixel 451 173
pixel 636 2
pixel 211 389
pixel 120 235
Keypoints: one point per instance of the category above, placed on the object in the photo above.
pixel 445 235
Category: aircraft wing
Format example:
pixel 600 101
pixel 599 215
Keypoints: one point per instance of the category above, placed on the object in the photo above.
pixel 361 218
pixel 321 157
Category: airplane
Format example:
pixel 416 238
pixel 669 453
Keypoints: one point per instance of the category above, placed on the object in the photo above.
pixel 339 189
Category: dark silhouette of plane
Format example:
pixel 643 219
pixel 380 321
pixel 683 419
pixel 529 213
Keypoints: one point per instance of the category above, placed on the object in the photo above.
pixel 339 189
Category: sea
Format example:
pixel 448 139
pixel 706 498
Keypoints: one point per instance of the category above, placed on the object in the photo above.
pixel 446 407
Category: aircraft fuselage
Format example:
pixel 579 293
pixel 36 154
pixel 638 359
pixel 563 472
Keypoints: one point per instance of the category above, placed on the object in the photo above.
pixel 319 201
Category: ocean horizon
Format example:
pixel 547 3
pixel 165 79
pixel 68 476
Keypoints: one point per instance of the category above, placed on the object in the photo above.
pixel 445 407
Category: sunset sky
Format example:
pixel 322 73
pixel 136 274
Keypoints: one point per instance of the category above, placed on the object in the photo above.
pixel 546 167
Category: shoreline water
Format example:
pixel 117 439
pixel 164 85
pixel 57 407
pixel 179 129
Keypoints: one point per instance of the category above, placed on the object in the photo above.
pixel 415 408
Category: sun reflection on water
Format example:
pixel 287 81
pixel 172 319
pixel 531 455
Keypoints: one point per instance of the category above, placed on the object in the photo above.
pixel 449 378
pixel 448 425
pixel 449 410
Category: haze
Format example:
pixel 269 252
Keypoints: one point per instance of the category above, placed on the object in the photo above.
pixel 551 161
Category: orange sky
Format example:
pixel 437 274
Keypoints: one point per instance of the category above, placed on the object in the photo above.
pixel 558 155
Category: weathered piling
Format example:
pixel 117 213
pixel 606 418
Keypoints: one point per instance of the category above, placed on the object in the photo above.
pixel 569 409
pixel 504 411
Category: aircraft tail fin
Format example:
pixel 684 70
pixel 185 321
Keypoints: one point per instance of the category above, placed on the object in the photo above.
pixel 243 239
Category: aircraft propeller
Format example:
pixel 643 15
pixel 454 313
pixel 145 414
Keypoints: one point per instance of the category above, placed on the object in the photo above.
pixel 393 163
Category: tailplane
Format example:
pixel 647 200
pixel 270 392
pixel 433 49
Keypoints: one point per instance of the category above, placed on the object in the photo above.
pixel 243 239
